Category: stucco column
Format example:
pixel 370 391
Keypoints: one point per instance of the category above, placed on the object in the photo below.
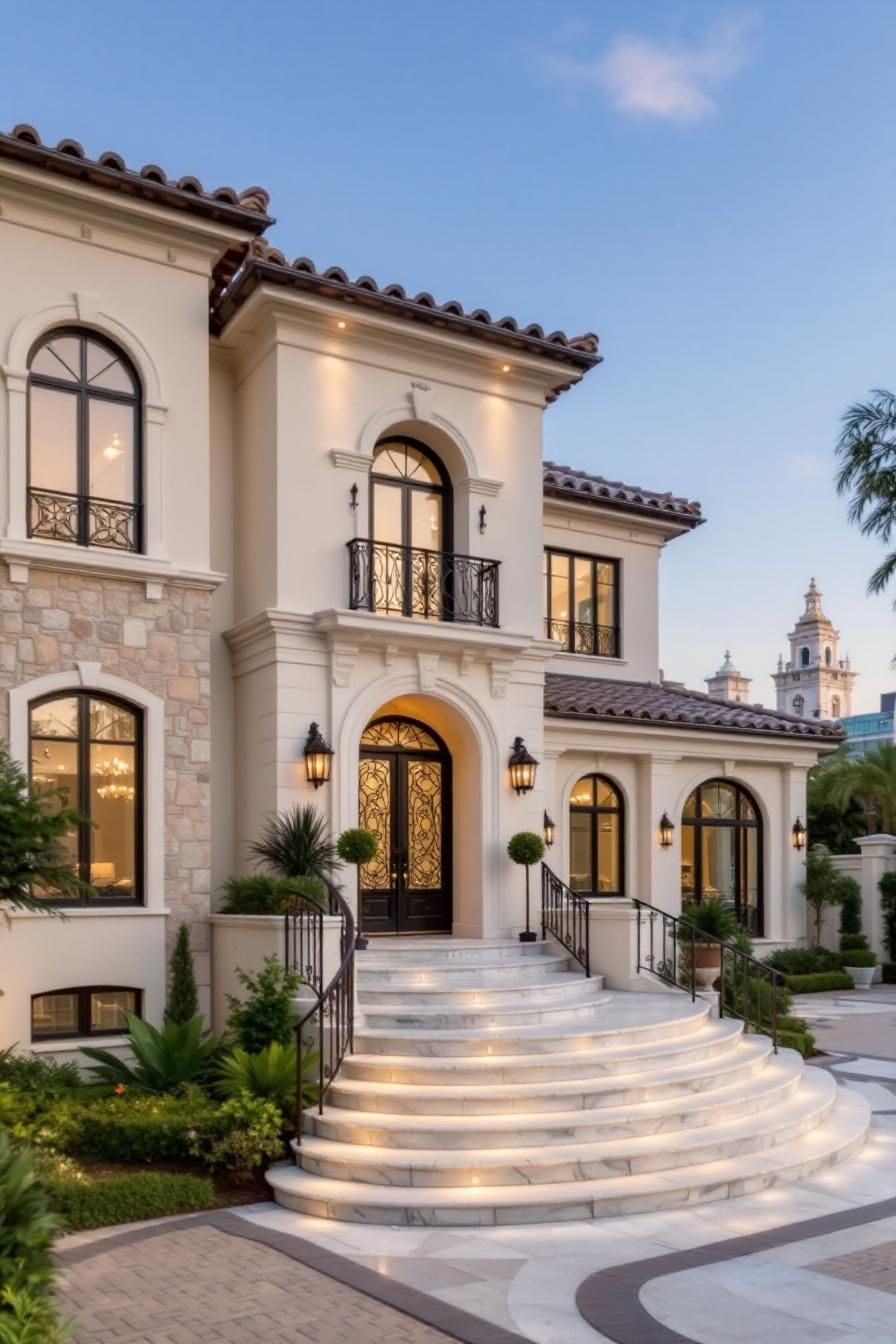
pixel 660 869
pixel 878 857
pixel 785 905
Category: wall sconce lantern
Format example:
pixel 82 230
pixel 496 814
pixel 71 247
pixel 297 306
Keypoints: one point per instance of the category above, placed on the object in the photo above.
pixel 482 517
pixel 353 496
pixel 318 757
pixel 799 834
pixel 667 830
pixel 549 829
pixel 522 767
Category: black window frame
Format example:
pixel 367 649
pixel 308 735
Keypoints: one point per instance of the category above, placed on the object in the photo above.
pixel 612 647
pixel 596 811
pixel 83 391
pixel 85 994
pixel 742 907
pixel 82 802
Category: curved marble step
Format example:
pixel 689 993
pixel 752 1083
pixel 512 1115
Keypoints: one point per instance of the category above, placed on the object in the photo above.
pixel 428 956
pixel 751 1082
pixel 483 1017
pixel 551 989
pixel 597 1159
pixel 691 1068
pixel 842 1133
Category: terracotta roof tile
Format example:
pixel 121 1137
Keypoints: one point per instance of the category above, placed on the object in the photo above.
pixel 602 698
pixel 268 265
pixel 570 483
pixel 245 209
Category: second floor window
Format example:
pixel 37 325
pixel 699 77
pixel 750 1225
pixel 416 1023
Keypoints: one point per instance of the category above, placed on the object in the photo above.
pixel 581 603
pixel 84 420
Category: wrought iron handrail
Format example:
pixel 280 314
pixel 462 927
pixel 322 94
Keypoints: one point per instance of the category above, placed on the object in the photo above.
pixel 88 520
pixel 564 913
pixel 334 1004
pixel 741 978
pixel 414 581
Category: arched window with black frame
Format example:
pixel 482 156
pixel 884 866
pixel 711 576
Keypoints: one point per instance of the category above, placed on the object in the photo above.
pixel 410 530
pixel 596 837
pixel 91 747
pixel 85 471
pixel 721 850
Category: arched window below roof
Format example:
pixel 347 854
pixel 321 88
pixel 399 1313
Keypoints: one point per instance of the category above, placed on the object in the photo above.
pixel 721 850
pixel 597 837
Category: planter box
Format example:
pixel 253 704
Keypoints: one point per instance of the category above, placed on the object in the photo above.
pixel 244 941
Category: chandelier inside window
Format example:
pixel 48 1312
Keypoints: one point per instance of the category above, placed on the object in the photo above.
pixel 114 772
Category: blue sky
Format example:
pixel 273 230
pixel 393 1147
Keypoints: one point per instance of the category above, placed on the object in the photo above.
pixel 709 187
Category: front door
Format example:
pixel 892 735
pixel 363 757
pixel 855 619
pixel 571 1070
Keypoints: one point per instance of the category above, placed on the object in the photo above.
pixel 404 798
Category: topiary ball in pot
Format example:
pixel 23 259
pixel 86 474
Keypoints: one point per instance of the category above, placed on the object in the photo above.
pixel 358 846
pixel 526 848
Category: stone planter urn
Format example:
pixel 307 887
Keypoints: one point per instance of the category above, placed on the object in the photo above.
pixel 862 976
pixel 707 964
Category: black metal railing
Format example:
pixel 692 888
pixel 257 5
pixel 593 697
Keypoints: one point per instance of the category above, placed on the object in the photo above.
pixel 585 637
pixel 679 954
pixel 564 913
pixel 330 1019
pixel 84 520
pixel 431 585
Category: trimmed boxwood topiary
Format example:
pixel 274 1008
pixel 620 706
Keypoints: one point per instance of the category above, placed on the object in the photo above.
pixel 853 942
pixel 818 984
pixel 858 958
pixel 526 848
pixel 357 845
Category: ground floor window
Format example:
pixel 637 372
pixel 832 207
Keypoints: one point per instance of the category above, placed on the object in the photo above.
pixel 596 837
pixel 85 1011
pixel 721 850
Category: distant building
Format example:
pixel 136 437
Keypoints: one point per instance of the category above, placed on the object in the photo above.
pixel 866 731
pixel 728 683
pixel 815 682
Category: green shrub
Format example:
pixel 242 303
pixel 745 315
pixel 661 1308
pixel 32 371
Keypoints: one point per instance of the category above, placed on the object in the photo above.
pixel 266 1015
pixel 711 917
pixel 248 1131
pixel 752 1001
pixel 850 908
pixel 853 942
pixel 35 860
pixel 27 1227
pixel 887 889
pixel 164 1061
pixel 526 848
pixel 270 1074
pixel 791 1038
pixel 129 1199
pixel 131 1128
pixel 888 972
pixel 296 843
pixel 818 984
pixel 357 845
pixel 803 960
pixel 265 894
pixel 36 1073
pixel 183 997
pixel 29 1318
pixel 858 958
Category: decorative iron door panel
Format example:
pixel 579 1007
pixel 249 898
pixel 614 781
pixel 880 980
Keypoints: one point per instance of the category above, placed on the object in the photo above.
pixel 405 797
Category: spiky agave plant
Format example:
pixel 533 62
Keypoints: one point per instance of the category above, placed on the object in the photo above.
pixel 296 843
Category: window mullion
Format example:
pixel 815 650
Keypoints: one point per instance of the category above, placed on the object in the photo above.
pixel 84 828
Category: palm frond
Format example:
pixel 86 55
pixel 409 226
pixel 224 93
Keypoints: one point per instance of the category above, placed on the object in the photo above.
pixel 296 843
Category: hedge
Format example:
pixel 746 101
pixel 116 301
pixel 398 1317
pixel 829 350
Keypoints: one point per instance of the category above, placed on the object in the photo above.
pixel 817 984
pixel 794 1034
pixel 128 1199
pixel 888 972
pixel 130 1129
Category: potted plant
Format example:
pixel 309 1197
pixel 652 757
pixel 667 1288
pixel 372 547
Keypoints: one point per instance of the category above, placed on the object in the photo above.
pixel 358 846
pixel 710 919
pixel 859 963
pixel 526 848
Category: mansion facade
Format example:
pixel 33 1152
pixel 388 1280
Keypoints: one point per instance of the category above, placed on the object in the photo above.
pixel 243 500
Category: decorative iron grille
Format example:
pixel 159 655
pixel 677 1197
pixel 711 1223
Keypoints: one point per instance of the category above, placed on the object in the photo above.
pixel 430 585
pixel 59 516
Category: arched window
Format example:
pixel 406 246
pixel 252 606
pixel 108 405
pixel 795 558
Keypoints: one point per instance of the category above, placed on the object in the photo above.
pixel 828 656
pixel 91 747
pixel 804 657
pixel 596 843
pixel 835 706
pixel 84 442
pixel 93 1010
pixel 721 850
pixel 799 705
pixel 410 531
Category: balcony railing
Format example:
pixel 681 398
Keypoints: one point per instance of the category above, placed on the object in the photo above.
pixel 86 521
pixel 584 637
pixel 431 585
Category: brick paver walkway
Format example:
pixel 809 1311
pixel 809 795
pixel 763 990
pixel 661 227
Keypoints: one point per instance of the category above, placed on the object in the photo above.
pixel 198 1283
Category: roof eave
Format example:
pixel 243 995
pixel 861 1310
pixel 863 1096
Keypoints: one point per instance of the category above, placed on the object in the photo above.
pixel 683 522
pixel 811 739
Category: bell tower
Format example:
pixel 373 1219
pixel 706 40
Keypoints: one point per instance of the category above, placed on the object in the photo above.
pixel 815 682
pixel 728 683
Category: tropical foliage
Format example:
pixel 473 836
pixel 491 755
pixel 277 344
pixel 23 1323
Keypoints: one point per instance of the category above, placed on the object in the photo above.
pixel 34 861
pixel 834 825
pixel 27 1229
pixel 866 784
pixel 163 1061
pixel 887 887
pixel 269 1074
pixel 296 843
pixel 267 894
pixel 266 1014
pixel 711 917
pixel 866 451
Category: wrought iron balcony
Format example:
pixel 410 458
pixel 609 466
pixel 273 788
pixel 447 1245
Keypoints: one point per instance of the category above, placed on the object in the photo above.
pixel 584 637
pixel 431 585
pixel 59 516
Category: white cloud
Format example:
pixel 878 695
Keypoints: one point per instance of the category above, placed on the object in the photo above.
pixel 668 82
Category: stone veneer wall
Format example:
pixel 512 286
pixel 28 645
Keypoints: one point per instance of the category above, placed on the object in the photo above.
pixel 56 620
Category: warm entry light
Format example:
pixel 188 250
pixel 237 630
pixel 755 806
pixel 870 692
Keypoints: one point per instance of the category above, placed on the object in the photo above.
pixel 113 449
pixel 522 767
pixel 549 829
pixel 505 368
pixel 341 326
pixel 667 829
pixel 318 757
pixel 799 834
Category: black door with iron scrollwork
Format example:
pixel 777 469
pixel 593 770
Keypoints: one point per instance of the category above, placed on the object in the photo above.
pixel 404 798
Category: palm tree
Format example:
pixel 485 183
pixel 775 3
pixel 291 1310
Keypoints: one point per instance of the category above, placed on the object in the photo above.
pixel 867 452
pixel 869 780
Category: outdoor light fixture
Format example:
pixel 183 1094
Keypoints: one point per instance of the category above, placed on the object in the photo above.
pixel 549 829
pixel 482 516
pixel 318 757
pixel 353 496
pixel 522 767
pixel 799 834
pixel 667 829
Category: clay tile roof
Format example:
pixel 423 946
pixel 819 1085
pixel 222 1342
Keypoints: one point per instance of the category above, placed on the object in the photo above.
pixel 246 209
pixel 601 698
pixel 569 483
pixel 267 265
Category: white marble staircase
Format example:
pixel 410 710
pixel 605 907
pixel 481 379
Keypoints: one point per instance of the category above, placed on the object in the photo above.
pixel 493 1083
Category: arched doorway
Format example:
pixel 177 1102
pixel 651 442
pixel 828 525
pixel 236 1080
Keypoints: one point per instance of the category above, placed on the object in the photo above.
pixel 404 793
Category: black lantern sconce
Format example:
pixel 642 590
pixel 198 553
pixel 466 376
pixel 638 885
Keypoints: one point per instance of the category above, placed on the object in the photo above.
pixel 522 767
pixel 667 831
pixel 353 495
pixel 549 829
pixel 799 834
pixel 482 516
pixel 318 757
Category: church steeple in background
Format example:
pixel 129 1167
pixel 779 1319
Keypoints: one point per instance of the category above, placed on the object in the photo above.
pixel 814 682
